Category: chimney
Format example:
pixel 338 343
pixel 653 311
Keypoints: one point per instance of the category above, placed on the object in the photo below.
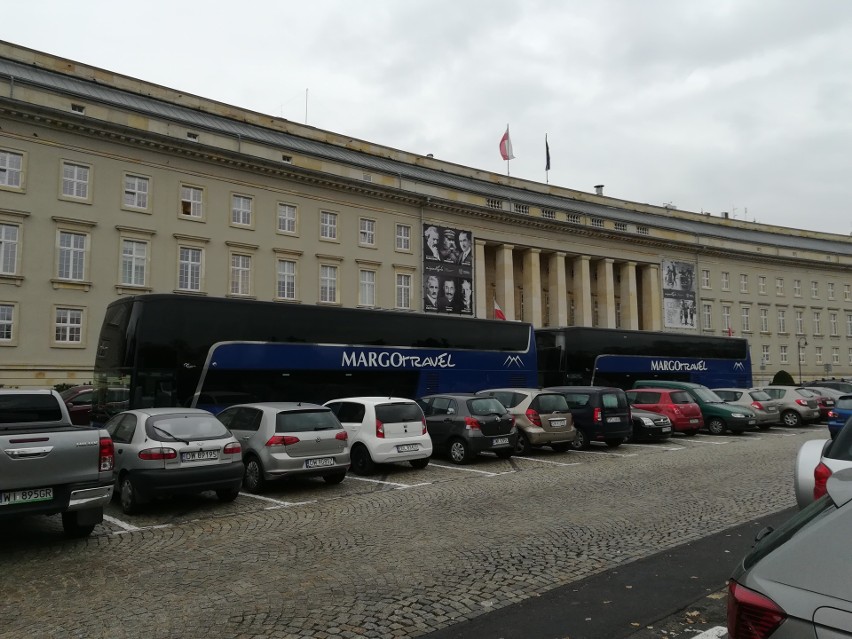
pixel 599 189
pixel 725 214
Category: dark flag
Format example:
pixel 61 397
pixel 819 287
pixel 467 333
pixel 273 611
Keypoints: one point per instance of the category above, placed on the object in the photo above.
pixel 546 153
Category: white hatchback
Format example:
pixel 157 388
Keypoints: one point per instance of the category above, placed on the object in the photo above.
pixel 382 430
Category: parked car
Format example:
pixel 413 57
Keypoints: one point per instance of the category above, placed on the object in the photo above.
pixel 648 426
pixel 824 390
pixel 282 439
pixel 817 460
pixel 542 417
pixel 718 416
pixel 169 451
pixel 677 405
pixel 464 425
pixel 839 415
pixel 825 402
pixel 797 405
pixel 79 399
pixel 383 430
pixel 600 413
pixel 842 385
pixel 765 408
pixel 795 580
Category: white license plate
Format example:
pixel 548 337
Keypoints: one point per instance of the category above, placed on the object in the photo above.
pixel 12 497
pixel 752 422
pixel 693 421
pixel 558 423
pixel 201 455
pixel 613 419
pixel 407 448
pixel 500 441
pixel 317 463
pixel 666 429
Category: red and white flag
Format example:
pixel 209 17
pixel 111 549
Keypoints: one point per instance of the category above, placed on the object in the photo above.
pixel 730 332
pixel 506 146
pixel 498 312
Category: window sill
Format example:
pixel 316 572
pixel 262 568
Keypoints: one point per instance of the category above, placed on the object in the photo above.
pixel 17 280
pixel 71 284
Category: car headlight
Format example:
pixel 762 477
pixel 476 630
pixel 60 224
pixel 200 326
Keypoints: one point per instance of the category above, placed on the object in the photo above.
pixel 647 421
pixel 739 415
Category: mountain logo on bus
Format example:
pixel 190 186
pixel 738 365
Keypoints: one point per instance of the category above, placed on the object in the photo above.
pixel 677 365
pixel 514 360
pixel 739 366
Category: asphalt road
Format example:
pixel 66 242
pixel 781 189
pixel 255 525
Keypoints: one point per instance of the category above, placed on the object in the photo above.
pixel 547 543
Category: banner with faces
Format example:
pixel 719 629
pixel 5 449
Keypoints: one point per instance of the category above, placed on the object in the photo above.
pixel 447 270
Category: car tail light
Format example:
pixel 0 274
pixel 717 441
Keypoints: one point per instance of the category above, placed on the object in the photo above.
pixel 757 405
pixel 596 416
pixel 424 431
pixel 380 429
pixel 534 417
pixel 472 424
pixel 107 454
pixel 153 454
pixel 750 614
pixel 802 402
pixel 821 475
pixel 342 436
pixel 282 440
pixel 232 449
pixel 832 414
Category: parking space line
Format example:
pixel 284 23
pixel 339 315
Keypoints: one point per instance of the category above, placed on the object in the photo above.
pixel 278 503
pixel 389 483
pixel 654 447
pixel 547 461
pixel 594 452
pixel 701 441
pixel 121 524
pixel 468 470
pixel 718 632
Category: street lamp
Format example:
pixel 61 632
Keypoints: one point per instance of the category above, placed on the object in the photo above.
pixel 802 342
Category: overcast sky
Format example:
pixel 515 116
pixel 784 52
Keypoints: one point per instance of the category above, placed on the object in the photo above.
pixel 742 106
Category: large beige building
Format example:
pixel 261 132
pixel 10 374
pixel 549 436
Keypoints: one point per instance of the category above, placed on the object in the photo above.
pixel 111 186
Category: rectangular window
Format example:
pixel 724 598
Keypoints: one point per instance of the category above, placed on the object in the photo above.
pixel 847 293
pixel 800 323
pixel 643 230
pixel 835 355
pixel 761 285
pixel 743 283
pixel 75 180
pixel 240 274
pixel 328 225
pixel 817 323
pixel 764 320
pixel 403 237
pixel 286 279
pixel 620 226
pixel 597 222
pixel 367 288
pixel 7 322
pixel 782 354
pixel 830 290
pixel 11 169
pixel 135 192
pixel 797 288
pixel 818 354
pixel 492 203
pixel 403 290
pixel 802 353
pixel 523 209
pixel 779 286
pixel 726 317
pixel 574 218
pixel 832 321
pixel 705 278
pixel 782 321
pixel 726 281
pixel 367 232
pixel 192 201
pixel 745 315
pixel 814 289
pixel 189 268
pixel 328 283
pixel 72 256
pixel 286 218
pixel 708 316
pixel 849 353
pixel 764 354
pixel 848 324
pixel 8 249
pixel 241 210
pixel 68 326
pixel 549 214
pixel 134 259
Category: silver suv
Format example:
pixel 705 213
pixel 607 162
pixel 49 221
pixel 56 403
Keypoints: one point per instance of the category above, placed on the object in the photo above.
pixel 542 417
pixel 797 404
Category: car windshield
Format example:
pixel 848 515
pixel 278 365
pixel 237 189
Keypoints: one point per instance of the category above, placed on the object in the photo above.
pixel 844 402
pixel 804 392
pixel 706 395
pixel 299 421
pixel 485 406
pixel 179 427
pixel 399 412
pixel 551 403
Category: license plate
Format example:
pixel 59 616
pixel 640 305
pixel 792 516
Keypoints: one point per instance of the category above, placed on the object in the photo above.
pixel 693 421
pixel 407 448
pixel 500 441
pixel 201 455
pixel 752 422
pixel 558 423
pixel 613 419
pixel 317 463
pixel 666 429
pixel 12 497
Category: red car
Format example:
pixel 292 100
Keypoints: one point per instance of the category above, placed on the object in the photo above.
pixel 677 405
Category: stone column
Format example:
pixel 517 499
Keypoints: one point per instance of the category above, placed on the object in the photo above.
pixel 582 291
pixel 629 299
pixel 505 281
pixel 606 293
pixel 652 302
pixel 557 287
pixel 532 287
pixel 482 293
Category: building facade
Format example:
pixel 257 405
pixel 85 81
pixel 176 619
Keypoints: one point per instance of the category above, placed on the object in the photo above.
pixel 112 186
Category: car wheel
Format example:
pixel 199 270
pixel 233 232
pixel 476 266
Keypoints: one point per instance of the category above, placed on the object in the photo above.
pixel 226 496
pixel 522 447
pixel 561 447
pixel 419 463
pixel 253 478
pixel 716 426
pixel 459 451
pixel 614 443
pixel 580 442
pixel 127 495
pixel 362 463
pixel 334 478
pixel 791 418
pixel 72 528
pixel 505 453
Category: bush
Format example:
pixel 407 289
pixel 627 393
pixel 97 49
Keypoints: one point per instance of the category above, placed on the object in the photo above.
pixel 783 378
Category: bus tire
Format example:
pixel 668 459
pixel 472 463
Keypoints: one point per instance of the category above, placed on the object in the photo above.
pixel 716 426
pixel 361 462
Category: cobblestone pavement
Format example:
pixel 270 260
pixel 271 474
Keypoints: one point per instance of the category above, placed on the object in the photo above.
pixel 398 555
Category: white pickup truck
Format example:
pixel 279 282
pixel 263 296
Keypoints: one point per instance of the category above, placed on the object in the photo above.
pixel 48 465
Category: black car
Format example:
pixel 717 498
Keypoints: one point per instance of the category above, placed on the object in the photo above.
pixel 463 425
pixel 601 413
pixel 649 427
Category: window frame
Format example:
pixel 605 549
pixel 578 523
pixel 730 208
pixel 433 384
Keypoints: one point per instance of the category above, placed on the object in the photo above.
pixel 242 216
pixel 279 261
pixel 200 203
pixel 286 206
pixel 134 262
pixel 367 288
pixel 125 190
pixel 324 288
pixel 328 221
pixel 57 325
pixel 240 276
pixel 74 181
pixel 15 250
pixel 12 323
pixel 367 232
pixel 190 268
pixel 402 242
pixel 5 155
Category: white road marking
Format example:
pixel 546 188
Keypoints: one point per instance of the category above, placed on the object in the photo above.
pixel 278 503
pixel 713 633
pixel 654 447
pixel 389 483
pixel 547 461
pixel 468 470
pixel 594 452
pixel 701 441
pixel 121 524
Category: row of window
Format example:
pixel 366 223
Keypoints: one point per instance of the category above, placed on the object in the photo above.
pixel 818 355
pixel 67 325
pixel 725 285
pixel 781 320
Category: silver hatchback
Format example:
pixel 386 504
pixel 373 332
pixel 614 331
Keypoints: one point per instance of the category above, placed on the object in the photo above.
pixel 282 439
